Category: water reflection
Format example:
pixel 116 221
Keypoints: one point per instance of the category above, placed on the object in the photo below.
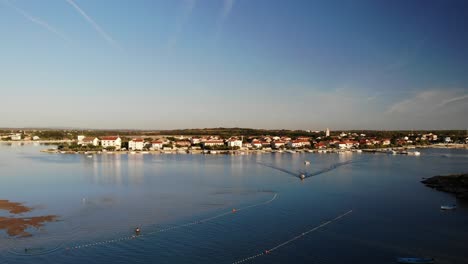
pixel 135 168
pixel 107 169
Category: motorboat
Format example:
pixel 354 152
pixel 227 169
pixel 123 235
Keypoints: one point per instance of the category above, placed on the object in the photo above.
pixel 415 260
pixel 448 207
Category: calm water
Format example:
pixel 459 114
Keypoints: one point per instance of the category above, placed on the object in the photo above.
pixel 100 201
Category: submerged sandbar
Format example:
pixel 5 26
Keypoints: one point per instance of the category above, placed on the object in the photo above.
pixel 14 208
pixel 17 226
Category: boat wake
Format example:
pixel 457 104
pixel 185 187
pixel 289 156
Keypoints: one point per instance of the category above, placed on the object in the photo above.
pixel 306 174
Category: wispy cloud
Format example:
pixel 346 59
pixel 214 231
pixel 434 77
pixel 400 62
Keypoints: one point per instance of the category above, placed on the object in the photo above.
pixel 37 21
pixel 453 100
pixel 228 5
pixel 187 10
pixel 227 8
pixel 427 101
pixel 101 32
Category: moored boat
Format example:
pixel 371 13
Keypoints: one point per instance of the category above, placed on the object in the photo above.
pixel 415 260
pixel 448 207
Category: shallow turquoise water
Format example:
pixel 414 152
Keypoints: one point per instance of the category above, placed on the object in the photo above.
pixel 100 200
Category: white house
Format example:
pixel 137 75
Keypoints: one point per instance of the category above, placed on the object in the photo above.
pixel 89 141
pixel 234 143
pixel 15 136
pixel 256 143
pixel 80 139
pixel 157 145
pixel 213 142
pixel 386 142
pixel 195 140
pixel 298 143
pixel 341 145
pixel 111 141
pixel 246 145
pixel 277 144
pixel 136 144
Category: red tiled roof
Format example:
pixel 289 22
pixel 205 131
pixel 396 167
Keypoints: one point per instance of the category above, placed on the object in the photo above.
pixel 157 142
pixel 183 143
pixel 137 140
pixel 88 139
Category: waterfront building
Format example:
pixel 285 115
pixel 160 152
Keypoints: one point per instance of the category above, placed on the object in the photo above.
pixel 277 144
pixel 195 140
pixel 111 141
pixel 298 143
pixel 341 145
pixel 213 142
pixel 183 143
pixel 256 143
pixel 156 145
pixel 15 136
pixel 89 141
pixel 386 142
pixel 234 143
pixel 80 138
pixel 321 145
pixel 136 144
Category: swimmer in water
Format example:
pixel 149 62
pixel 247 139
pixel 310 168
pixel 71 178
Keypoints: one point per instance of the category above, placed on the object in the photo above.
pixel 137 231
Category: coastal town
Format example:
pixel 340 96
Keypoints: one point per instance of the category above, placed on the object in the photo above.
pixel 308 141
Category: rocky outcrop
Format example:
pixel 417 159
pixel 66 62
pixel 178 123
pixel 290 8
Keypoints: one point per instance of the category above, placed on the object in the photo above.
pixel 456 184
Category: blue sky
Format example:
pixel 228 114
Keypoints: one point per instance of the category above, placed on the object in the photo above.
pixel 153 64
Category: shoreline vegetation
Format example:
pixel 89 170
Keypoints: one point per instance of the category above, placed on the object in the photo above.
pixel 17 226
pixel 456 184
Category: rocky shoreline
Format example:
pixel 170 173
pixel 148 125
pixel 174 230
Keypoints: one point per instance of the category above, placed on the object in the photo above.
pixel 455 183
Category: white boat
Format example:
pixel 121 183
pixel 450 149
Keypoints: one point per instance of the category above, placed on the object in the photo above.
pixel 132 152
pixel 359 151
pixel 448 207
pixel 307 162
pixel 89 156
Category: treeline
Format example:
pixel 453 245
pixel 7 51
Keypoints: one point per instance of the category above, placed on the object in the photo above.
pixel 229 132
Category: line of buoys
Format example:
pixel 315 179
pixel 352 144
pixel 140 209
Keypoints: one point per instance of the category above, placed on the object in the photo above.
pixel 234 210
pixel 269 251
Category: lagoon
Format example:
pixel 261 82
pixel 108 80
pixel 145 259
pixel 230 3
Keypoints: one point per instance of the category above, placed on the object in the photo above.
pixel 184 206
